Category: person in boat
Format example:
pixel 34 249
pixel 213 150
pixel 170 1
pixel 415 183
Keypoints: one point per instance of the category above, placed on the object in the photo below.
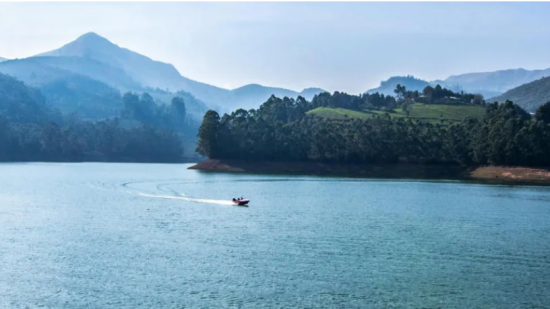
pixel 234 199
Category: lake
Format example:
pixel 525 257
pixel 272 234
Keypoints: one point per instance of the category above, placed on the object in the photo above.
pixel 158 235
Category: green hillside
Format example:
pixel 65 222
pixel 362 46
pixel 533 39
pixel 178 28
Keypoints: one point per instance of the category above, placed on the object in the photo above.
pixel 418 111
pixel 338 113
pixel 529 96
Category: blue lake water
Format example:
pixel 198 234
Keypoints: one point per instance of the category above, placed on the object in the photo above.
pixel 161 236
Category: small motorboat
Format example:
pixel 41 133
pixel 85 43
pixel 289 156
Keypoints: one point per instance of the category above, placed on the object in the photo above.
pixel 240 201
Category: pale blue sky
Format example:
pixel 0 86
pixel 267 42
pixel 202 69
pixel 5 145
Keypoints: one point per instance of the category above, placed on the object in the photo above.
pixel 335 46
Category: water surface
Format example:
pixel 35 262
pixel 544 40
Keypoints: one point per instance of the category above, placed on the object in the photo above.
pixel 152 235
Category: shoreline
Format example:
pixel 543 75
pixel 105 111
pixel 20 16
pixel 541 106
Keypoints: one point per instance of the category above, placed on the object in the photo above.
pixel 485 174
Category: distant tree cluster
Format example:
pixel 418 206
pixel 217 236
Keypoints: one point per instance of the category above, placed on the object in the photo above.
pixel 281 130
pixel 436 95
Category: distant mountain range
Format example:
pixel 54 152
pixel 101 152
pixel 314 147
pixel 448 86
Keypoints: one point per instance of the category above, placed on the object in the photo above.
pixel 248 96
pixel 92 63
pixel 2 59
pixel 529 96
pixel 489 84
pixel 130 70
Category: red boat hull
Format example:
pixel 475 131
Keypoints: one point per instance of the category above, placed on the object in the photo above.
pixel 241 202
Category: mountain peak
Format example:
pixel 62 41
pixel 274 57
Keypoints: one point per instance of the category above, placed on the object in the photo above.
pixel 84 45
pixel 92 40
pixel 90 36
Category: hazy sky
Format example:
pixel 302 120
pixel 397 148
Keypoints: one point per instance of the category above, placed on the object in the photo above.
pixel 335 46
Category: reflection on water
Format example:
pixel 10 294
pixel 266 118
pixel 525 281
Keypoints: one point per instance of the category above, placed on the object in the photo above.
pixel 154 235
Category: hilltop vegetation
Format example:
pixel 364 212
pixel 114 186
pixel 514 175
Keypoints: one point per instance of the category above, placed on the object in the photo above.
pixel 529 96
pixel 435 105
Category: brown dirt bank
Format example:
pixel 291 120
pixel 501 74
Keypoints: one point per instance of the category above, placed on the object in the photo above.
pixel 512 174
pixel 494 174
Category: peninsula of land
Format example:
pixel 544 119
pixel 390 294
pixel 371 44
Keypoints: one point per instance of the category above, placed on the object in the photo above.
pixel 498 174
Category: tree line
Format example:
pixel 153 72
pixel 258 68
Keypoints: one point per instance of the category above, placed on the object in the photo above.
pixel 282 130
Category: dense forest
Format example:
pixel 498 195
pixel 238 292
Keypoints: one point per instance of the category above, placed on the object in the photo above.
pixel 32 130
pixel 281 130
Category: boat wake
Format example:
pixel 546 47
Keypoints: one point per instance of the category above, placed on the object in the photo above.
pixel 197 200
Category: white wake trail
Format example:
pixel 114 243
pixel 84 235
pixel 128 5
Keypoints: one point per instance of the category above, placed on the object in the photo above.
pixel 198 200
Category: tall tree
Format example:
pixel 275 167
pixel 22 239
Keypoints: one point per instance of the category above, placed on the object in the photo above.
pixel 208 134
pixel 543 113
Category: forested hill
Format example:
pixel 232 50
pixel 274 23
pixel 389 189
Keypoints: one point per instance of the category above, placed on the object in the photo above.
pixel 32 130
pixel 529 96
pixel 22 104
pixel 281 130
pixel 86 87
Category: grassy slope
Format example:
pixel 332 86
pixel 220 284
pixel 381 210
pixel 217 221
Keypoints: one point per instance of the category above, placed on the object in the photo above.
pixel 419 111
pixel 338 113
